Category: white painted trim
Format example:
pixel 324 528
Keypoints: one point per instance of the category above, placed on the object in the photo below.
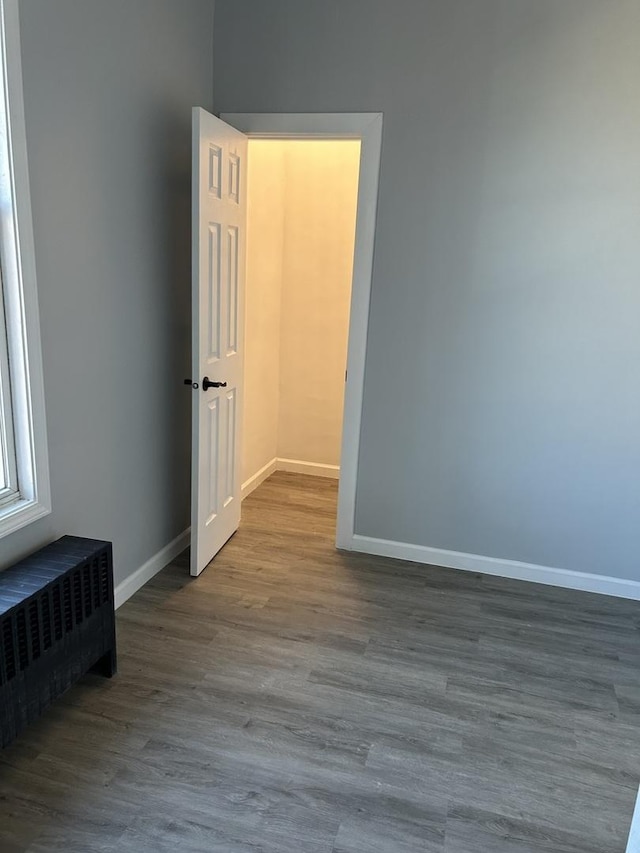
pixel 633 845
pixel 137 579
pixel 21 295
pixel 367 127
pixel 315 469
pixel 548 575
pixel 258 478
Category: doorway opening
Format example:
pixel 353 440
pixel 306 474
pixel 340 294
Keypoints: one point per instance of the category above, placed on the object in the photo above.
pixel 365 129
pixel 219 211
pixel 301 221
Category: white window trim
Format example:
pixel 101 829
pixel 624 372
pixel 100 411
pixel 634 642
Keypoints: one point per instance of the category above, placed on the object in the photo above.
pixel 20 292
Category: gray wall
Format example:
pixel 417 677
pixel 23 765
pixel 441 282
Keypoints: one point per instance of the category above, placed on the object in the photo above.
pixel 109 88
pixel 501 410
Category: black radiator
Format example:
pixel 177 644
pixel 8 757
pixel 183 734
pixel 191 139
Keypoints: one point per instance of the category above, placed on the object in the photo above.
pixel 57 621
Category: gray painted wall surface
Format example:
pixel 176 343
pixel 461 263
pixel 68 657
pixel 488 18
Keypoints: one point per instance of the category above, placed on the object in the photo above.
pixel 501 410
pixel 109 88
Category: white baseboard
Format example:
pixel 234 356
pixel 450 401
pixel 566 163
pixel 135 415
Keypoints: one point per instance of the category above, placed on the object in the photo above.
pixel 566 578
pixel 296 466
pixel 316 469
pixel 259 477
pixel 130 585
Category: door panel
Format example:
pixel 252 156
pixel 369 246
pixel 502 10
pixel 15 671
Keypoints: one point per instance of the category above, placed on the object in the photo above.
pixel 214 300
pixel 232 291
pixel 232 429
pixel 219 225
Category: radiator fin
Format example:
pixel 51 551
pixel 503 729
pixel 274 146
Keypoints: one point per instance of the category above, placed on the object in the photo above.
pixel 23 648
pixel 77 597
pixel 35 630
pixel 57 611
pixel 86 590
pixel 46 622
pixel 8 670
pixel 104 579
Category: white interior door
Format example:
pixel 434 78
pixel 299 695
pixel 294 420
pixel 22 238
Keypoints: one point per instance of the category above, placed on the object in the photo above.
pixel 219 225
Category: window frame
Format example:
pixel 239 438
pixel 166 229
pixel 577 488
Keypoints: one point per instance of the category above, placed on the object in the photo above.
pixel 29 496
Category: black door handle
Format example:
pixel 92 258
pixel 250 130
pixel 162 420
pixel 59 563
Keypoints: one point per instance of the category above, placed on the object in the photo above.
pixel 207 383
pixel 193 384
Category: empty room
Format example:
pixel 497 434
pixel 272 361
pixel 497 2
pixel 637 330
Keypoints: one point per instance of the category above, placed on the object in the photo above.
pixel 319 429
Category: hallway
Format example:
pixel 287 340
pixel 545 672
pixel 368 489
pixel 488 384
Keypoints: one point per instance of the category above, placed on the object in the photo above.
pixel 294 699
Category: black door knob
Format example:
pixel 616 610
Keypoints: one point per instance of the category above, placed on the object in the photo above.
pixel 207 383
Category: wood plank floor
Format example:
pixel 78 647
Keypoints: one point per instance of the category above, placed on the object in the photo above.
pixel 295 699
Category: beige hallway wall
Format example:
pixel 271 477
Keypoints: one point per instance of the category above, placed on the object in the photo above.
pixel 319 228
pixel 265 234
pixel 301 229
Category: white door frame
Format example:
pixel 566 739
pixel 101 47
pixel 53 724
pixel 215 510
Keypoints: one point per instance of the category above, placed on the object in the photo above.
pixel 367 127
